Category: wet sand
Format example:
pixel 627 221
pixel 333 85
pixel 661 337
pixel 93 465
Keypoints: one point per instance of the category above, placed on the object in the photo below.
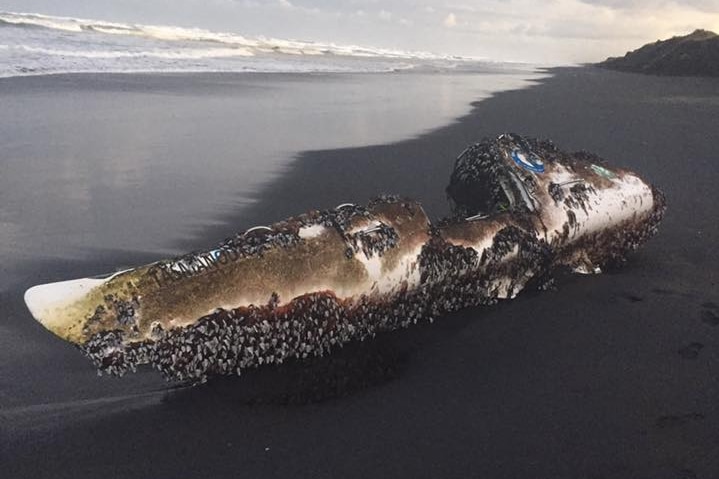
pixel 608 376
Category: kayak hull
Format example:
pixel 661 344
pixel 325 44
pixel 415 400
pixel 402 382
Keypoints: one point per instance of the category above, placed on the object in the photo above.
pixel 303 286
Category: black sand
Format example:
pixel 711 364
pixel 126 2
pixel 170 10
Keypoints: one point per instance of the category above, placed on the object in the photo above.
pixel 609 376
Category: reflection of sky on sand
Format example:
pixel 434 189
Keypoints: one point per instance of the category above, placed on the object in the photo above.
pixel 139 162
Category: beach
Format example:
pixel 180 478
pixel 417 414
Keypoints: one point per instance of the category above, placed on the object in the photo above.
pixel 607 376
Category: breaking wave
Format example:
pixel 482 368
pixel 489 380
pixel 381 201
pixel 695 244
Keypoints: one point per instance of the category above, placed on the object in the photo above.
pixel 172 54
pixel 170 33
pixel 42 44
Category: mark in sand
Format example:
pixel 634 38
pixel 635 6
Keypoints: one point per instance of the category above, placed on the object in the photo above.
pixel 687 474
pixel 671 421
pixel 632 297
pixel 710 313
pixel 691 351
pixel 671 292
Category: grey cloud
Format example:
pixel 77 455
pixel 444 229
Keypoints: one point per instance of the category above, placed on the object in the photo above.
pixel 703 5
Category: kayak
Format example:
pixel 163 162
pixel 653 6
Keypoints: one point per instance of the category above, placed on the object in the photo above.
pixel 521 208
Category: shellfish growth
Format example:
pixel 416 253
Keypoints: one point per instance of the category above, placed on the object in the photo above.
pixel 299 287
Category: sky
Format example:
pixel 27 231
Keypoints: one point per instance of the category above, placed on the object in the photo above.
pixel 543 31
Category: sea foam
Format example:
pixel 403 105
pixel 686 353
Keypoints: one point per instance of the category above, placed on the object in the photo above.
pixel 42 44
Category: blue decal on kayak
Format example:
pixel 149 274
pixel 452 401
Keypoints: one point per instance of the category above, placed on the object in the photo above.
pixel 533 163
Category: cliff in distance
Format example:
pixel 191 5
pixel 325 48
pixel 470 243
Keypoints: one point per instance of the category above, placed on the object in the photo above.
pixel 696 54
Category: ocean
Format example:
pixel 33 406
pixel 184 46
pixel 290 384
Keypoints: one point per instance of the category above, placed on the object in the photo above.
pixel 32 44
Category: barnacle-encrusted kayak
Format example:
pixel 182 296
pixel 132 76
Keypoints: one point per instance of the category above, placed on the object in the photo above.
pixel 304 285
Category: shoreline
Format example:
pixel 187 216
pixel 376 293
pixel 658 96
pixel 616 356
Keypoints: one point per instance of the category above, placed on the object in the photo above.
pixel 434 151
pixel 307 166
pixel 510 67
pixel 154 161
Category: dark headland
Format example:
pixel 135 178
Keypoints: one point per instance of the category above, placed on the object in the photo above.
pixel 696 54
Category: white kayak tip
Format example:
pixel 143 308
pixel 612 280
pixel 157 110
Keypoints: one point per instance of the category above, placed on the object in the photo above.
pixel 47 301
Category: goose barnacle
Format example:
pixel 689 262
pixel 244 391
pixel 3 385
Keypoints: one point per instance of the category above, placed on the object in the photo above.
pixel 363 270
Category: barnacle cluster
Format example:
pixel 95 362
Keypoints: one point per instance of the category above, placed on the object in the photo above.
pixel 452 274
pixel 579 197
pixel 371 240
pixel 610 247
pixel 251 243
pixel 228 341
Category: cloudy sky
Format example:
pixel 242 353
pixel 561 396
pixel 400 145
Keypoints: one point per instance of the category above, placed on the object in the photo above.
pixel 557 31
